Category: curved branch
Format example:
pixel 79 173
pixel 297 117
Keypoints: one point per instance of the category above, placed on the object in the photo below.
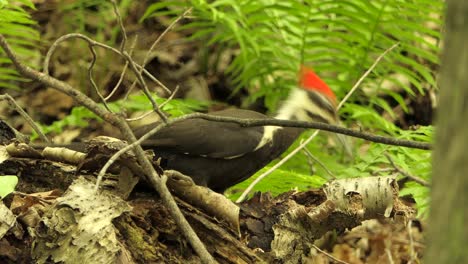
pixel 133 65
pixel 56 84
pixel 25 115
pixel 317 125
pixel 157 182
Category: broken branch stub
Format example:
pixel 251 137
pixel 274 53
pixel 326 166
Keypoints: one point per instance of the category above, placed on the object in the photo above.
pixel 370 197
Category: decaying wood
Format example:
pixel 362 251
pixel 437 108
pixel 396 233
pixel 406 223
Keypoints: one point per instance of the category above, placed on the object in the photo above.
pixel 78 227
pixel 215 204
pixel 273 230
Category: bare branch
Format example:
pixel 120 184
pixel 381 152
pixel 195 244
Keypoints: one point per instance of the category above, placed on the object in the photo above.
pixel 315 159
pixel 54 83
pixel 157 182
pixel 161 106
pixel 25 115
pixel 314 125
pixel 134 66
pixel 276 166
pixel 142 82
pixel 169 28
pixel 91 79
pixel 366 74
pixel 121 25
pixel 405 173
pixel 63 38
pixel 153 46
pixel 171 96
pixel 122 74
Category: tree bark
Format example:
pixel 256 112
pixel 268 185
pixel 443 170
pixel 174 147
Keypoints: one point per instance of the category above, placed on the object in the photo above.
pixel 449 211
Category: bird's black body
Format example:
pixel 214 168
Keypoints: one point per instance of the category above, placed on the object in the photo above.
pixel 218 154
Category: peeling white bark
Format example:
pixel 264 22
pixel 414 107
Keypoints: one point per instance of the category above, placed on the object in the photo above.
pixel 79 228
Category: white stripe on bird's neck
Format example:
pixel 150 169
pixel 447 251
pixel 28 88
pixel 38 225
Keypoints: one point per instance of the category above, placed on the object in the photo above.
pixel 287 111
pixel 298 106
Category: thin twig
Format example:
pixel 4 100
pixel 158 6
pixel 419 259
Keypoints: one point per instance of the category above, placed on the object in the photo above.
pixel 142 82
pixel 381 171
pixel 139 117
pixel 47 80
pixel 91 79
pixel 405 173
pixel 145 61
pixel 160 106
pixel 121 25
pixel 25 115
pixel 315 159
pixel 168 28
pixel 170 97
pixel 358 83
pixel 286 158
pixel 389 255
pixel 122 74
pixel 167 90
pixel 329 255
pixel 273 168
pixel 114 158
pixel 64 38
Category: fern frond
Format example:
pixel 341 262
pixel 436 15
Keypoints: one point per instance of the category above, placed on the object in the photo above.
pixel 16 25
pixel 340 39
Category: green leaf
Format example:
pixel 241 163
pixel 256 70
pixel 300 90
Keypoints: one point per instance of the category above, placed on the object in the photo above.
pixel 3 3
pixel 278 182
pixel 17 26
pixel 7 185
pixel 421 195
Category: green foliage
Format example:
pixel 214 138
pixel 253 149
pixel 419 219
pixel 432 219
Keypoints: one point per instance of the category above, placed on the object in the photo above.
pixel 303 173
pixel 421 195
pixel 175 107
pixel 7 185
pixel 413 161
pixel 80 116
pixel 280 181
pixel 341 40
pixel 16 25
pixel 300 172
pixel 369 118
pixel 77 118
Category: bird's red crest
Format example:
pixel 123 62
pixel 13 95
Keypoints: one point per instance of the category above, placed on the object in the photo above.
pixel 308 80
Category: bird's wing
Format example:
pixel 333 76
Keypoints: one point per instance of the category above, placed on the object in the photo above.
pixel 207 138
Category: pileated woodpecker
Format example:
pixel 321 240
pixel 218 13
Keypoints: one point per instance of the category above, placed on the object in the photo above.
pixel 219 155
